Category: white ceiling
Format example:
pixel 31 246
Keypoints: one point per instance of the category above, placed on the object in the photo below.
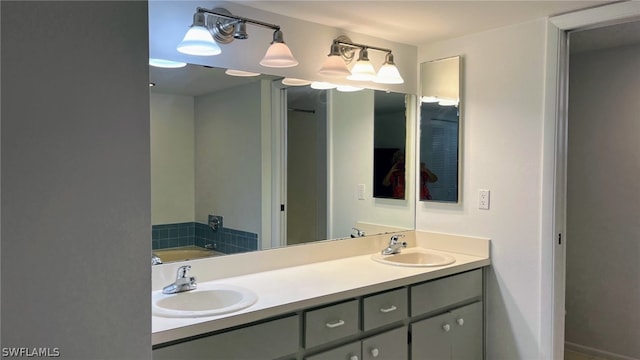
pixel 419 22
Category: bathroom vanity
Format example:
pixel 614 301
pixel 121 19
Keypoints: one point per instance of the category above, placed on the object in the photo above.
pixel 345 308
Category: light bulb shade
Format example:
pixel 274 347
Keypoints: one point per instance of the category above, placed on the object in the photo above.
pixel 362 71
pixel 278 54
pixel 334 66
pixel 198 41
pixel 388 74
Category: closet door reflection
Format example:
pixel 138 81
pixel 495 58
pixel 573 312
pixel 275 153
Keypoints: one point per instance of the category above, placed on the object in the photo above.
pixel 306 165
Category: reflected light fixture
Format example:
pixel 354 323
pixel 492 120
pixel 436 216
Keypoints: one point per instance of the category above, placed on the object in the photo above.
pixel 167 64
pixel 429 99
pixel 321 85
pixel 295 82
pixel 342 53
pixel 447 102
pixel 347 88
pixel 240 73
pixel 211 27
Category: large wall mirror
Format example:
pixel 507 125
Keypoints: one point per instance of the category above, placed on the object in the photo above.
pixel 268 181
pixel 440 130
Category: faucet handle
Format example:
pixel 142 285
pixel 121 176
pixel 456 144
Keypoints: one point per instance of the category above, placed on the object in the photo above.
pixel 182 271
pixel 394 238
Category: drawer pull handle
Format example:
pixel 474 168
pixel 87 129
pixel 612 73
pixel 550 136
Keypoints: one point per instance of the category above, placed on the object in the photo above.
pixel 460 321
pixel 335 324
pixel 375 352
pixel 353 357
pixel 389 309
pixel 446 327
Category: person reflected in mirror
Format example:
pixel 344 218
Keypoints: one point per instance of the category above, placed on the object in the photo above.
pixel 426 176
pixel 396 176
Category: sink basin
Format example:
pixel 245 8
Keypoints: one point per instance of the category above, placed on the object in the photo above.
pixel 206 300
pixel 417 257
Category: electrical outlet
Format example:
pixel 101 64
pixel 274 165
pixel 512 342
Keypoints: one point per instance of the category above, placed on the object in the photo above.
pixel 483 199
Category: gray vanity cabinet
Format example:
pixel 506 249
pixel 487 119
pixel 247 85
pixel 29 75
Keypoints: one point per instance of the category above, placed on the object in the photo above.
pixel 455 335
pixel 437 319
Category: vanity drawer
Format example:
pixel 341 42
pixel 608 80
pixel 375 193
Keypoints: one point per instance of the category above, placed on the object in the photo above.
pixel 331 323
pixel 440 293
pixel 385 308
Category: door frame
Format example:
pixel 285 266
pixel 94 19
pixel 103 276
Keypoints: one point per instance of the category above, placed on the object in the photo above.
pixel 605 15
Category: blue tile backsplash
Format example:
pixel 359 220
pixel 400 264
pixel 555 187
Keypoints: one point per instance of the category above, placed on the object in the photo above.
pixel 224 240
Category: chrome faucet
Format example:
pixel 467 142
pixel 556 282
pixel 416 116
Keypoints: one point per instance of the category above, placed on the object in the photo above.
pixel 394 246
pixel 182 283
pixel 358 233
pixel 155 259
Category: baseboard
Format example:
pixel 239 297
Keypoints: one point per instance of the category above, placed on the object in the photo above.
pixel 595 352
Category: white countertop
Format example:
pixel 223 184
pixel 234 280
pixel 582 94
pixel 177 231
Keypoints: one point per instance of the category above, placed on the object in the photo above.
pixel 295 288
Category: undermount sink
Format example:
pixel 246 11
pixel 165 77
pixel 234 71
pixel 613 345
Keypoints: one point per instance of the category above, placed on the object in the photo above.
pixel 206 300
pixel 416 257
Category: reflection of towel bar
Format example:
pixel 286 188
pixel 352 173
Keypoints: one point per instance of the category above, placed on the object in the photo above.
pixel 302 110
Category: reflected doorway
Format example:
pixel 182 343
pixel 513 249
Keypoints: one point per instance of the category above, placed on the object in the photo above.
pixel 305 206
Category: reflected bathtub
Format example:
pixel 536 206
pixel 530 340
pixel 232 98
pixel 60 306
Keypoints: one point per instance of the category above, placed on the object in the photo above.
pixel 184 253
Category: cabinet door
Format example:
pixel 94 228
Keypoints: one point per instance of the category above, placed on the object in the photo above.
pixel 346 352
pixel 467 332
pixel 391 345
pixel 430 338
pixel 270 340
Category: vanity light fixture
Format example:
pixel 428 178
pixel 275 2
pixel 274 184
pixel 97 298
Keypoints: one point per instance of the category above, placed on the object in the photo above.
pixel 388 73
pixel 198 40
pixel 211 27
pixel 334 65
pixel 342 53
pixel 363 69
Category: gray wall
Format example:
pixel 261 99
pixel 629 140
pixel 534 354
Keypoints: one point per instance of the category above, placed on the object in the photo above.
pixel 603 232
pixel 75 178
